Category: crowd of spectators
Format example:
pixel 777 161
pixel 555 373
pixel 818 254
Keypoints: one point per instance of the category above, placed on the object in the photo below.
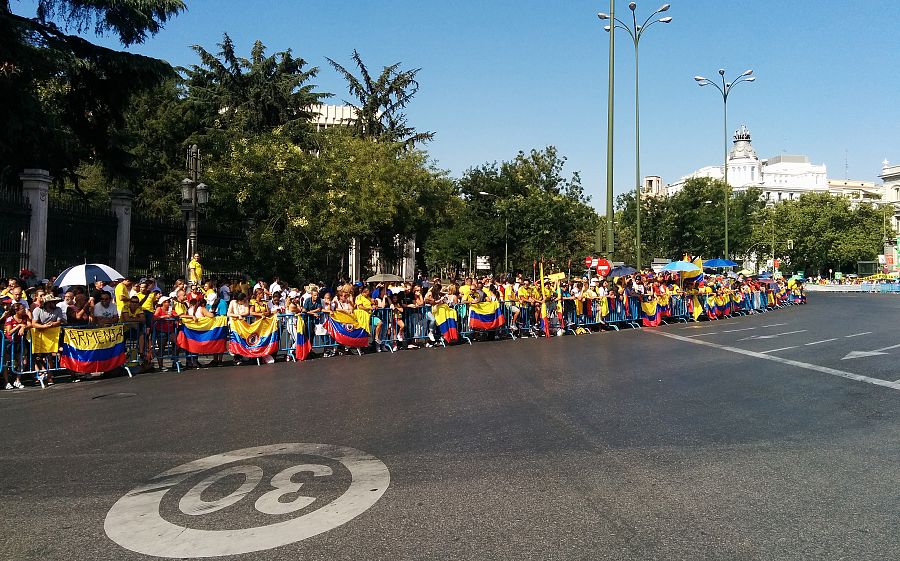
pixel 139 303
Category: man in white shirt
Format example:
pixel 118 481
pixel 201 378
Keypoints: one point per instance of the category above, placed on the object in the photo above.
pixel 104 310
pixel 275 286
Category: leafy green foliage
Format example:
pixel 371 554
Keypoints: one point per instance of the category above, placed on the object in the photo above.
pixel 691 221
pixel 827 233
pixel 65 97
pixel 527 202
pixel 241 96
pixel 380 102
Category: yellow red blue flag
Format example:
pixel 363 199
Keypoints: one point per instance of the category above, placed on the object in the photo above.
pixel 88 351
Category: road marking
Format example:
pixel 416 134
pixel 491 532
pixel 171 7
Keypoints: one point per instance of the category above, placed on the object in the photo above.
pixel 798 364
pixel 136 523
pixel 858 334
pixel 863 354
pixel 705 334
pixel 736 330
pixel 776 350
pixel 822 341
pixel 775 325
pixel 755 337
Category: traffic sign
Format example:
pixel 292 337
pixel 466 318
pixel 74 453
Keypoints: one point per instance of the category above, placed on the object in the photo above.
pixel 603 267
pixel 587 261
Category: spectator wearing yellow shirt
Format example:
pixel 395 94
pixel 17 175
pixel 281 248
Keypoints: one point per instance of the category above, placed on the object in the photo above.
pixel 123 293
pixel 364 303
pixel 195 270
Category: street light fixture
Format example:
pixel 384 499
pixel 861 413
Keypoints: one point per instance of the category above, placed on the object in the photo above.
pixel 194 198
pixel 636 32
pixel 505 232
pixel 725 90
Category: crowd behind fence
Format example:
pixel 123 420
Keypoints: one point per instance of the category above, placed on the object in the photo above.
pixel 166 342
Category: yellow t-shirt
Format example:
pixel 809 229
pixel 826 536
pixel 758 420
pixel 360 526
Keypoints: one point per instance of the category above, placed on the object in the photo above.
pixel 126 315
pixel 180 308
pixel 121 296
pixel 464 291
pixel 524 293
pixel 363 302
pixel 195 270
pixel 149 304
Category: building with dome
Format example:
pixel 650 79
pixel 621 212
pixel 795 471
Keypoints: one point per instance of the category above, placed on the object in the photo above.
pixel 780 178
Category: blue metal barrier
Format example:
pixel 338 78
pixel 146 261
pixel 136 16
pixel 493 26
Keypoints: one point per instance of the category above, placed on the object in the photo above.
pixel 678 309
pixel 163 337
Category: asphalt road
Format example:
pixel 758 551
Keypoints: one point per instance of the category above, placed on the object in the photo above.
pixel 749 438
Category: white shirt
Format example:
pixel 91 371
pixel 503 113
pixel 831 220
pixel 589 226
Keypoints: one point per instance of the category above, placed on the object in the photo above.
pixel 105 312
pixel 274 287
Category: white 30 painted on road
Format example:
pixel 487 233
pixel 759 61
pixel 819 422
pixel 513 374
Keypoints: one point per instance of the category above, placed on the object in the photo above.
pixel 135 521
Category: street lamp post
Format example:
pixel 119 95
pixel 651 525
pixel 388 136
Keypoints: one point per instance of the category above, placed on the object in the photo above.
pixel 194 198
pixel 725 90
pixel 636 32
pixel 505 232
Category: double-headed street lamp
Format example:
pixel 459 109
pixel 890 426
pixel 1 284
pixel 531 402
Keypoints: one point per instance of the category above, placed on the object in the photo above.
pixel 636 32
pixel 725 89
pixel 194 198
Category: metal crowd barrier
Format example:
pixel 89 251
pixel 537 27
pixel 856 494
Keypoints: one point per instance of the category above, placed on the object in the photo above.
pixel 21 362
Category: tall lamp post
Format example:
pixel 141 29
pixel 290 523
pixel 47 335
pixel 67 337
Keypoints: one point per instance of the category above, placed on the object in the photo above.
pixel 194 198
pixel 725 90
pixel 505 232
pixel 636 32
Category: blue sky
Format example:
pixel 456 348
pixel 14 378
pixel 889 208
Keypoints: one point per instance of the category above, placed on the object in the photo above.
pixel 501 76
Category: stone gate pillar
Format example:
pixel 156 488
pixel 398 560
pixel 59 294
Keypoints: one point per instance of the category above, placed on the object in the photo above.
pixel 36 187
pixel 121 206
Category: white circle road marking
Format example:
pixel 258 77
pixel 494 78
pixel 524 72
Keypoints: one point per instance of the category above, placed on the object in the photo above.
pixel 135 522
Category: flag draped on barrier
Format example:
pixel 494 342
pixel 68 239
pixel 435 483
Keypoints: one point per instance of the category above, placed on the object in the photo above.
pixel 88 351
pixel 486 316
pixel 303 345
pixel 44 341
pixel 345 330
pixel 254 340
pixel 204 336
pixel 446 319
pixel 650 316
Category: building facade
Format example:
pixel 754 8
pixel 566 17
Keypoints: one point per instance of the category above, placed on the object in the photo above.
pixel 780 178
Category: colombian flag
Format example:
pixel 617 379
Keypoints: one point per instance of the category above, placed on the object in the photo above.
pixel 650 316
pixel 88 351
pixel 664 307
pixel 303 346
pixel 346 331
pixel 204 336
pixel 486 316
pixel 693 276
pixel 254 340
pixel 446 319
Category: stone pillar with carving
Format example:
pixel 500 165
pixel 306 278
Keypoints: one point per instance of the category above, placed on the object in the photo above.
pixel 121 206
pixel 36 187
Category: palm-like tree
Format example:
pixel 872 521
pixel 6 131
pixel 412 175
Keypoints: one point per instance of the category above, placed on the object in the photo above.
pixel 379 111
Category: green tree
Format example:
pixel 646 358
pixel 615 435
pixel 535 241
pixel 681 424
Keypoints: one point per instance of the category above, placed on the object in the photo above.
pixel 826 231
pixel 380 102
pixel 65 97
pixel 548 214
pixel 303 208
pixel 248 96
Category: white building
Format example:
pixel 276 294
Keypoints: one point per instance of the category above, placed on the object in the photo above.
pixel 890 191
pixel 327 116
pixel 780 178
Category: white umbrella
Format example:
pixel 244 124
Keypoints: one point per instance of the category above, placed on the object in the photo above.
pixel 87 274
